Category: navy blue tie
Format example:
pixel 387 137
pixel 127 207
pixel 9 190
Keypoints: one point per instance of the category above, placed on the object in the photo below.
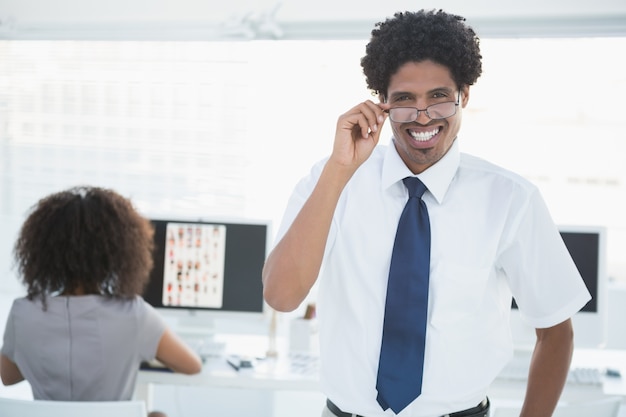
pixel 404 330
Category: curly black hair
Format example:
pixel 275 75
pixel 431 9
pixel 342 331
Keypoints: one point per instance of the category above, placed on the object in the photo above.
pixel 418 36
pixel 84 240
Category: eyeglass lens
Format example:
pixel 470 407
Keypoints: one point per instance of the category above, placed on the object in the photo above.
pixel 434 111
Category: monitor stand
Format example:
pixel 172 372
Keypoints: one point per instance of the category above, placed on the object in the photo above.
pixel 193 325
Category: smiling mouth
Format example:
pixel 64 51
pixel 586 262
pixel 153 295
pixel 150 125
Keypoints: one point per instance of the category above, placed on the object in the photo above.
pixel 424 136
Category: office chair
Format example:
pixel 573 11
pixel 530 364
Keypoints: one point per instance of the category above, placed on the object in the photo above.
pixel 11 407
pixel 605 407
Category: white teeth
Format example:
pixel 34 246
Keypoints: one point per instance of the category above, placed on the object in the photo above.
pixel 423 136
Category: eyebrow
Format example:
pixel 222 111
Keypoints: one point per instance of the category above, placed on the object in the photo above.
pixel 445 90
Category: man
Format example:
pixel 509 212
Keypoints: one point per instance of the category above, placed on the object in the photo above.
pixel 490 237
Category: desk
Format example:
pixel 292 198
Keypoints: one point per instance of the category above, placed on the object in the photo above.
pixel 276 375
pixel 268 375
pixel 602 359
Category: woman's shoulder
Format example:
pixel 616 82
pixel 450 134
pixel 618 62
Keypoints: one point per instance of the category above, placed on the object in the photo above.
pixel 26 303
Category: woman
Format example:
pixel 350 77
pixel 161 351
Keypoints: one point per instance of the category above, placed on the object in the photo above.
pixel 82 330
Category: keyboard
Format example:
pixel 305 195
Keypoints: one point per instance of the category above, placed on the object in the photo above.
pixel 575 376
pixel 205 347
pixel 306 364
pixel 584 376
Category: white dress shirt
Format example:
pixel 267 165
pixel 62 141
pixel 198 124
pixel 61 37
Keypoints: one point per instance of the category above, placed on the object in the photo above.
pixel 491 236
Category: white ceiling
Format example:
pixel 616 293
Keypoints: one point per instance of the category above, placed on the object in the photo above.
pixel 294 19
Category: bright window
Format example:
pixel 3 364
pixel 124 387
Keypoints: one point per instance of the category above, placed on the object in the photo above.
pixel 225 129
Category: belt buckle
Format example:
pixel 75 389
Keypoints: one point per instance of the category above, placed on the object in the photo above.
pixel 482 407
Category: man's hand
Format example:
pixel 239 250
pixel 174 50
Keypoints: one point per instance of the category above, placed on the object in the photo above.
pixel 358 132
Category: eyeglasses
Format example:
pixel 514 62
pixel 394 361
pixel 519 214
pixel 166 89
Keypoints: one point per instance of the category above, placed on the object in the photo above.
pixel 434 111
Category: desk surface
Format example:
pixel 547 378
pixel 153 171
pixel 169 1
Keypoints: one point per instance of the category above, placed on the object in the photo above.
pixel 272 374
pixel 279 374
pixel 605 359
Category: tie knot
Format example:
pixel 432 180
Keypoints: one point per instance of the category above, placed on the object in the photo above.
pixel 415 186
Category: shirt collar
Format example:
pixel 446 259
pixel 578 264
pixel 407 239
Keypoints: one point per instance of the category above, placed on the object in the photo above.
pixel 437 178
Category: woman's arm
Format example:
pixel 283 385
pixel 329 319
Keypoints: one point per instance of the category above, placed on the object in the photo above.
pixel 174 353
pixel 9 371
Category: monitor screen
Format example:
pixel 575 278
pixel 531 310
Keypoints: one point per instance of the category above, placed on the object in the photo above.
pixel 586 245
pixel 208 269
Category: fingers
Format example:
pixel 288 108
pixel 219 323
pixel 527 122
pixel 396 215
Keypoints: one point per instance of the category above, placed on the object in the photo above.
pixel 364 119
pixel 371 120
pixel 358 131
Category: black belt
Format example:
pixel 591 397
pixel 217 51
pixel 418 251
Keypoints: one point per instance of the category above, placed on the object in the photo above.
pixel 481 410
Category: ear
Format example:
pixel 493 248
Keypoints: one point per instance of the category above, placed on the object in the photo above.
pixel 382 98
pixel 464 95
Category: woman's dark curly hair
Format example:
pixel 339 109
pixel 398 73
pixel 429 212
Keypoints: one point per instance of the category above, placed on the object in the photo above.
pixel 84 240
pixel 418 36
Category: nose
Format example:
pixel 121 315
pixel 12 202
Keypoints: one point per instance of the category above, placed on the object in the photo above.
pixel 422 117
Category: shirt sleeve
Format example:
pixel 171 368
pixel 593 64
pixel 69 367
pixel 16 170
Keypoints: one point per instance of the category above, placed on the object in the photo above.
pixel 298 198
pixel 300 194
pixel 544 280
pixel 152 326
pixel 8 344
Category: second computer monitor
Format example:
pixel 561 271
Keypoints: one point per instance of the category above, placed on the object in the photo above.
pixel 586 245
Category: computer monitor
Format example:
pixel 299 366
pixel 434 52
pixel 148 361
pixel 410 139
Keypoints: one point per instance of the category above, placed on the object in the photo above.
pixel 207 270
pixel 587 246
